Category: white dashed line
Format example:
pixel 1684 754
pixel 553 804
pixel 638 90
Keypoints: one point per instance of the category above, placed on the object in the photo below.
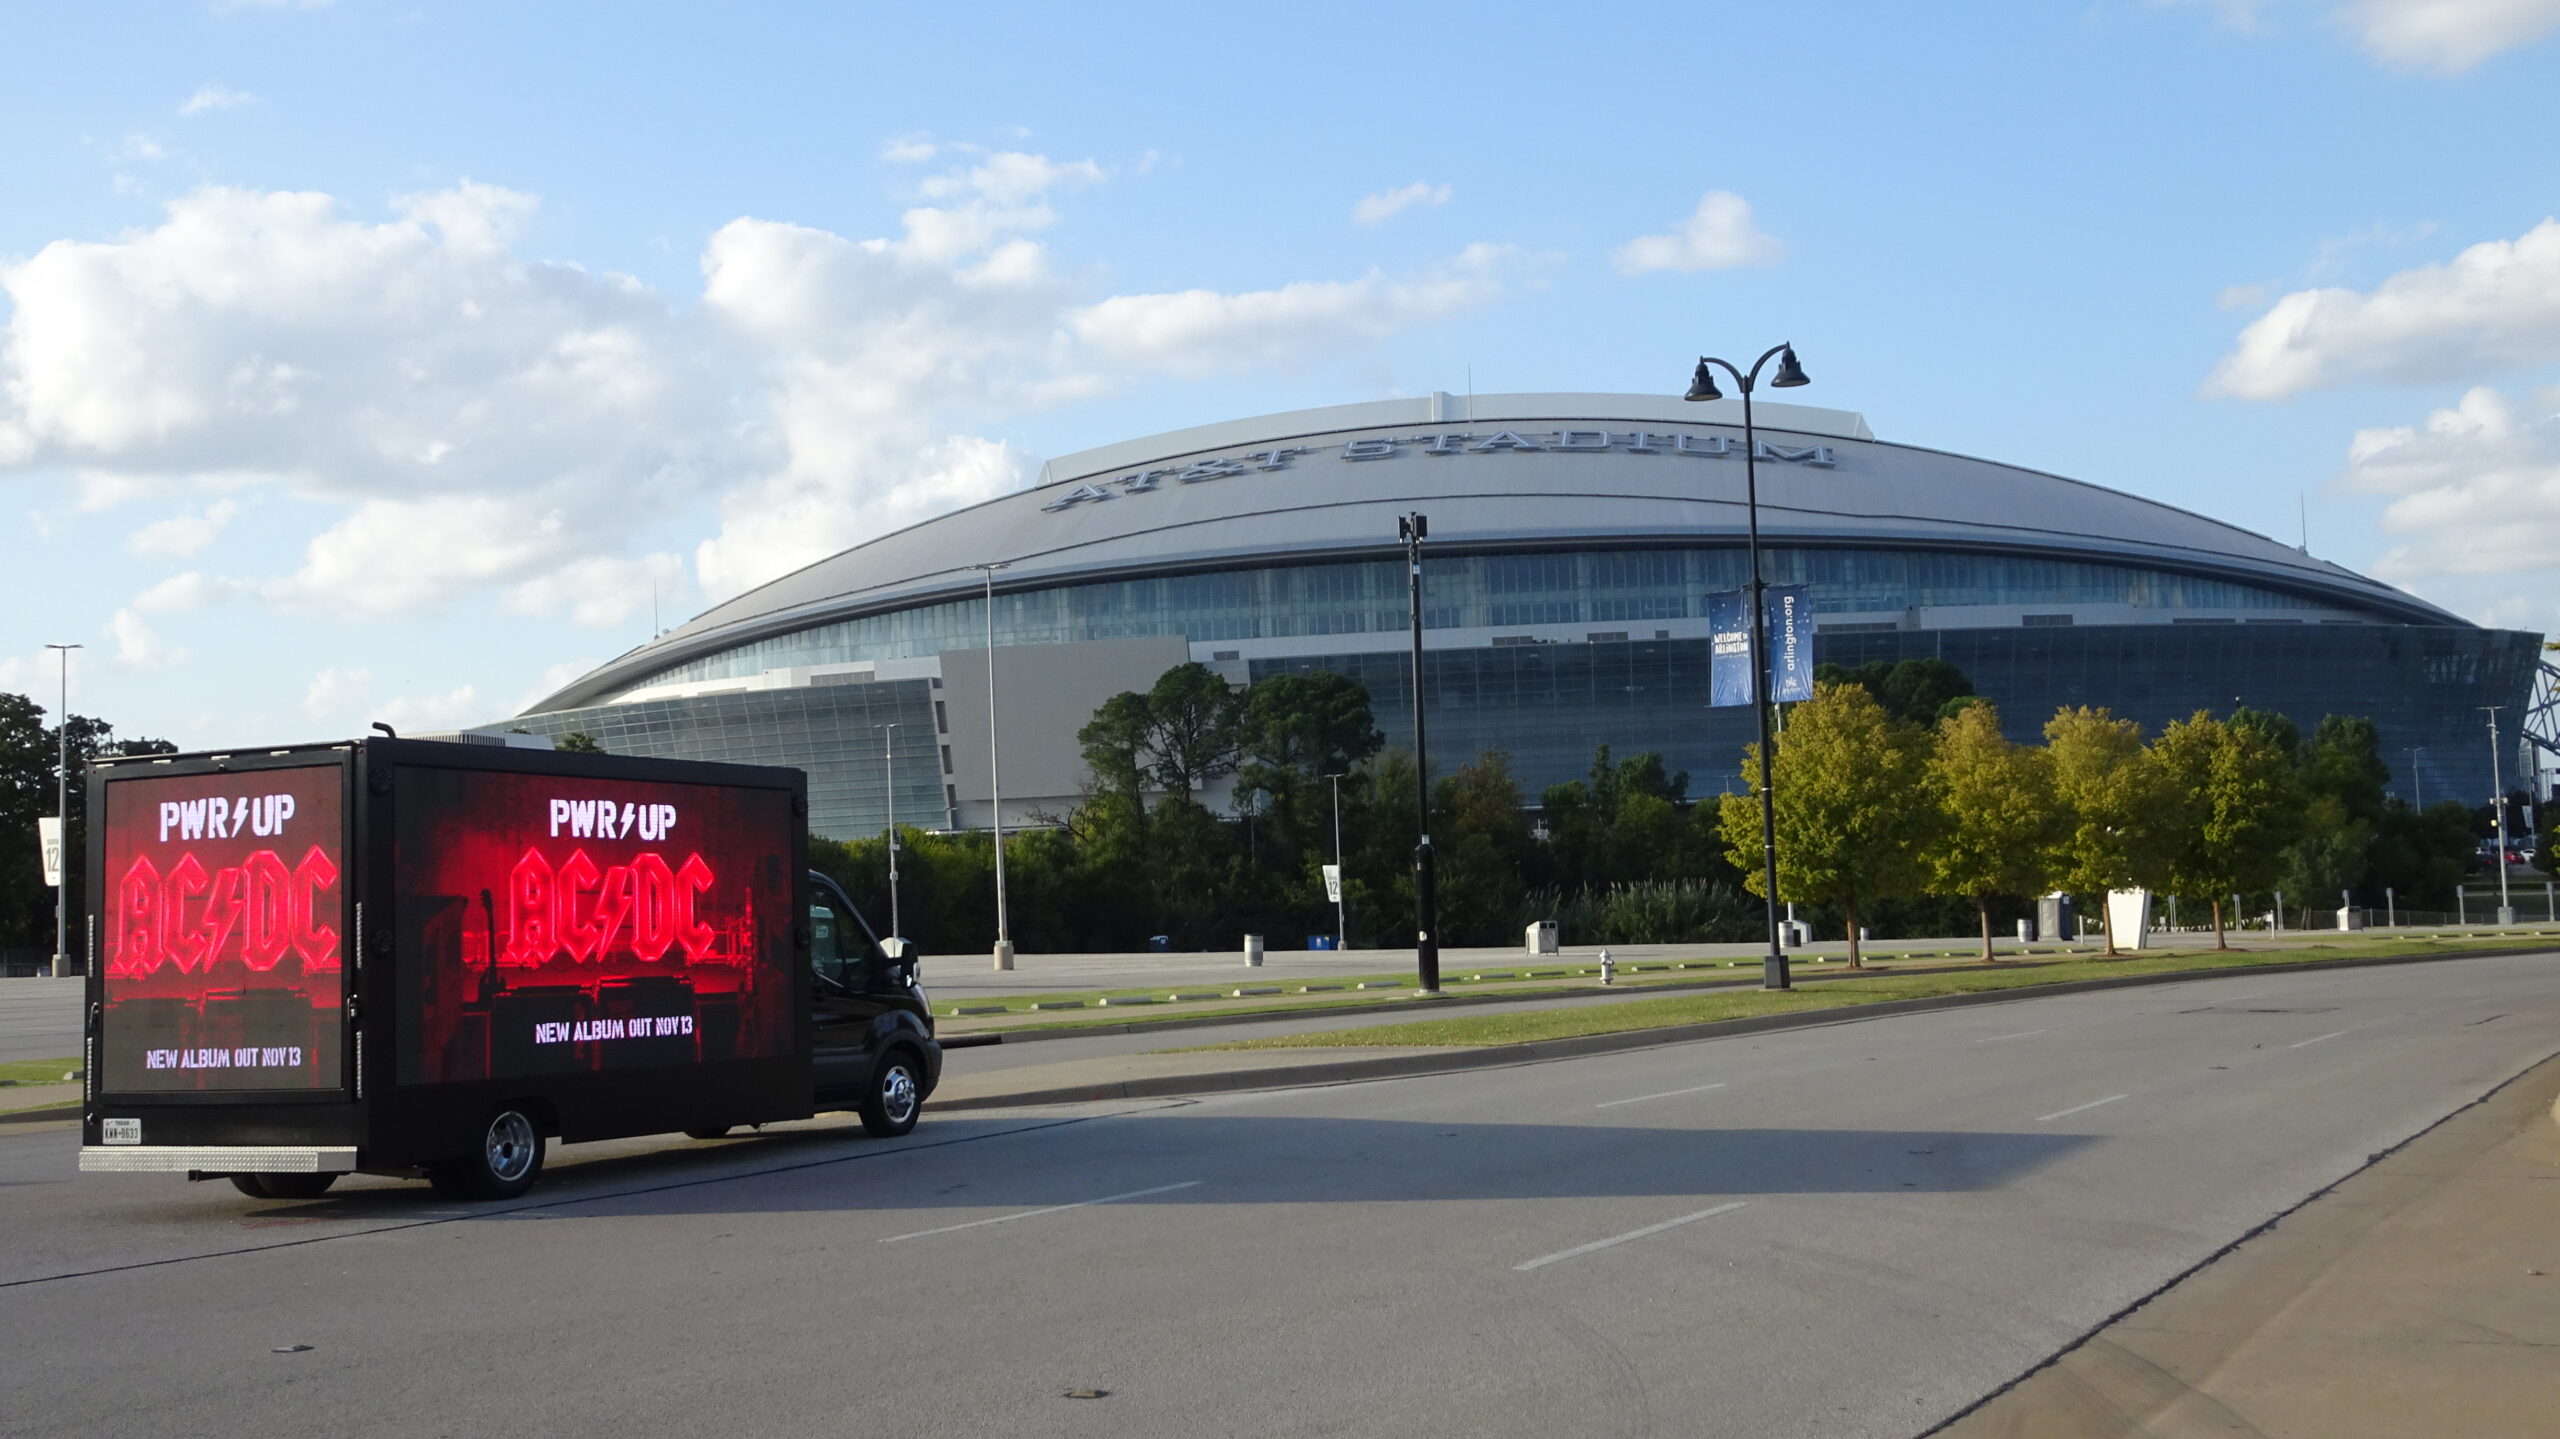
pixel 1036 1213
pixel 2021 1034
pixel 2317 1038
pixel 1597 1245
pixel 1666 1094
pixel 2075 1109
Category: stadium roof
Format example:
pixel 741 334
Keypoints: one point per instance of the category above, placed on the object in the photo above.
pixel 1493 472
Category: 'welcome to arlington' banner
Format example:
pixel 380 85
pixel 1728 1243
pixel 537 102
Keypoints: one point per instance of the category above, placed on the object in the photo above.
pixel 1790 620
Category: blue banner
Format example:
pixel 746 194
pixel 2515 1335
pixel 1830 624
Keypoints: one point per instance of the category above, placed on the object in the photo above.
pixel 1729 669
pixel 1791 642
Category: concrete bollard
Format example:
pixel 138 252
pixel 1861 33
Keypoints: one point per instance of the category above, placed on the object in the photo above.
pixel 1004 954
pixel 1253 951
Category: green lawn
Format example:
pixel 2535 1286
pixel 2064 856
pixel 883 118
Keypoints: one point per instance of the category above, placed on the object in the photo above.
pixel 1476 1030
pixel 37 1071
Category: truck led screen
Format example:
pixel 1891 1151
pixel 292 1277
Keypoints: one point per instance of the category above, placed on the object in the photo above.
pixel 551 925
pixel 223 918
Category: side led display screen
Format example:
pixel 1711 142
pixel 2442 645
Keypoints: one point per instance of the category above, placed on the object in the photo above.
pixel 223 919
pixel 559 925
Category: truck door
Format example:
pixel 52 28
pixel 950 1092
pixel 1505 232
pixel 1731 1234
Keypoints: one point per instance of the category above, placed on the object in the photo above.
pixel 845 961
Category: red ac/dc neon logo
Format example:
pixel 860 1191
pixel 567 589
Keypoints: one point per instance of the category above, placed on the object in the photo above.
pixel 187 916
pixel 577 908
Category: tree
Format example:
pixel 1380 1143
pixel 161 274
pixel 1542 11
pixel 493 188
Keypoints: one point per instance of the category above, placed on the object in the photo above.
pixel 1919 691
pixel 1295 730
pixel 1114 742
pixel 1481 842
pixel 2121 814
pixel 2241 806
pixel 1620 823
pixel 1853 806
pixel 1193 729
pixel 2342 777
pixel 29 750
pixel 1999 818
pixel 578 741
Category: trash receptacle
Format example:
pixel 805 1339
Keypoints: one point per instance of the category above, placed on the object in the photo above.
pixel 2026 931
pixel 1159 943
pixel 1540 938
pixel 1253 950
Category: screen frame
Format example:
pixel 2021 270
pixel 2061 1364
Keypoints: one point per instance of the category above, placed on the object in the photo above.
pixel 351 858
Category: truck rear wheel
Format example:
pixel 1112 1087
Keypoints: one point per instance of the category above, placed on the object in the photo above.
pixel 502 1165
pixel 283 1186
pixel 894 1097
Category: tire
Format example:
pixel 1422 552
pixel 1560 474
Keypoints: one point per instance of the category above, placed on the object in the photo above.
pixel 295 1186
pixel 504 1163
pixel 894 1097
pixel 253 1185
pixel 720 1133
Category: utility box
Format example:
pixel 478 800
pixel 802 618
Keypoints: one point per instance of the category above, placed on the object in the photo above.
pixel 2351 919
pixel 1795 933
pixel 1540 938
pixel 2053 916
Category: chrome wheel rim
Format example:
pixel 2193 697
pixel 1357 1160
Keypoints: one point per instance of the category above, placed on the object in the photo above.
pixel 898 1094
pixel 510 1146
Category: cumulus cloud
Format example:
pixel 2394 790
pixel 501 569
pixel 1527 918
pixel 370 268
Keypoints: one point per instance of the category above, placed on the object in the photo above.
pixel 2447 36
pixel 472 425
pixel 1387 203
pixel 2474 505
pixel 138 646
pixel 335 691
pixel 2494 306
pixel 908 150
pixel 348 698
pixel 215 97
pixel 1718 235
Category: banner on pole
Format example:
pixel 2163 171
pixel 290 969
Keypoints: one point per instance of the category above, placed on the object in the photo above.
pixel 1791 642
pixel 1729 664
pixel 49 839
pixel 1333 884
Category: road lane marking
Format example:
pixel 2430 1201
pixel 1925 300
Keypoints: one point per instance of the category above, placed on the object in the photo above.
pixel 2021 1034
pixel 1597 1245
pixel 1666 1094
pixel 1036 1213
pixel 2075 1109
pixel 2332 1035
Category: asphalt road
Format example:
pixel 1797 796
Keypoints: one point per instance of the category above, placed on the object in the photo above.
pixel 1848 1230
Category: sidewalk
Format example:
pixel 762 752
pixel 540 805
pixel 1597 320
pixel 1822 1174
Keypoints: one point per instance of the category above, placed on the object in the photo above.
pixel 2419 1298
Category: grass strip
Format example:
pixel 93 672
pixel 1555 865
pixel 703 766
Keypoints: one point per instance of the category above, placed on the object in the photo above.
pixel 37 1071
pixel 1512 1027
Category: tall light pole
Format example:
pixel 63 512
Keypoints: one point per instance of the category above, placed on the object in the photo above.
pixel 1341 881
pixel 889 760
pixel 2417 781
pixel 1412 529
pixel 1702 386
pixel 995 785
pixel 62 812
pixel 2498 797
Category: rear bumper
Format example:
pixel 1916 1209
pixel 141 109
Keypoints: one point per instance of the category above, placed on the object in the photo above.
pixel 215 1159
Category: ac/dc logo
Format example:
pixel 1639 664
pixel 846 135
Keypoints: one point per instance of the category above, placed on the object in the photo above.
pixel 190 916
pixel 582 910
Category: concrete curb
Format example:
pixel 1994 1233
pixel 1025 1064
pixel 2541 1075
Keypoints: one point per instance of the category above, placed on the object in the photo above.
pixel 1397 1066
pixel 41 1116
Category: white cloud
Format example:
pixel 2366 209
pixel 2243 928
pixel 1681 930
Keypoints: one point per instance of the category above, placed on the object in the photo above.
pixel 908 150
pixel 2447 36
pixel 334 692
pixel 552 679
pixel 138 646
pixel 1718 235
pixel 1010 177
pixel 1195 330
pixel 600 591
pixel 1374 208
pixel 451 709
pixel 2241 297
pixel 184 534
pixel 346 699
pixel 2494 306
pixel 215 97
pixel 2475 504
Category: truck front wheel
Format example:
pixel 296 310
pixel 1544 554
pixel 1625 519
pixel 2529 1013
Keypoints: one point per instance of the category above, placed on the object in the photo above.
pixel 502 1165
pixel 895 1096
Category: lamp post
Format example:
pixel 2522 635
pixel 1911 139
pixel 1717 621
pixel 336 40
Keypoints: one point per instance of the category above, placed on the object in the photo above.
pixel 1702 386
pixel 2416 781
pixel 889 759
pixel 62 812
pixel 1412 529
pixel 2498 797
pixel 995 786
pixel 1341 913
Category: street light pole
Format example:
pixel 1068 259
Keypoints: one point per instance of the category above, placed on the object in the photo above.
pixel 1412 529
pixel 62 813
pixel 2498 797
pixel 1702 386
pixel 889 758
pixel 995 785
pixel 1341 913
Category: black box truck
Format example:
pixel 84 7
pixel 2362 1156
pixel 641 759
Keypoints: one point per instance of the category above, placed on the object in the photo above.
pixel 426 958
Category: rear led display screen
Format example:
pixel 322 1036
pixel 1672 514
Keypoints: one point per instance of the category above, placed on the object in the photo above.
pixel 223 917
pixel 555 925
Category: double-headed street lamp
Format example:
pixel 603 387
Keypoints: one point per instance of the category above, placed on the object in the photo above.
pixel 62 808
pixel 1702 386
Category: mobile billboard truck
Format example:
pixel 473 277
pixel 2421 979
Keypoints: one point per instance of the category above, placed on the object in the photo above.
pixel 416 958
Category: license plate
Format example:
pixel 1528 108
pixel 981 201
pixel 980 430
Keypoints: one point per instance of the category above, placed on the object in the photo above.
pixel 120 1131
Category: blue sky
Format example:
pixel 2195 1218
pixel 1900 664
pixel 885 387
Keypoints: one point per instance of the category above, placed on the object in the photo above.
pixel 370 360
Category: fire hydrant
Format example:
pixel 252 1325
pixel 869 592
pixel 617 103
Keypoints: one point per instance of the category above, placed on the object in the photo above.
pixel 1608 969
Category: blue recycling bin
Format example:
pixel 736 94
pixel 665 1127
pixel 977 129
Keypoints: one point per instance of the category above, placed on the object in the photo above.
pixel 1159 943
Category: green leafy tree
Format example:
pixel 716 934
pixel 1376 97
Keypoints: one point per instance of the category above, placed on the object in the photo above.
pixel 1854 812
pixel 1297 729
pixel 1194 729
pixel 2122 816
pixel 1114 743
pixel 1481 842
pixel 2343 781
pixel 578 741
pixel 1919 691
pixel 2000 819
pixel 2241 804
pixel 2421 854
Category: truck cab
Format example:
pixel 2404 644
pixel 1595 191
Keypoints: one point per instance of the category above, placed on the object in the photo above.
pixel 871 1025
